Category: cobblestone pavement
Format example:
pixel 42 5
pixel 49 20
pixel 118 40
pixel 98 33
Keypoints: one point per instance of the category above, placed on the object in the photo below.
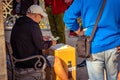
pixel 82 71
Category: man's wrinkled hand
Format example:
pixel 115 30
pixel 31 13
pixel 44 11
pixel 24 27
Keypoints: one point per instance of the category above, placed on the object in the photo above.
pixel 80 32
pixel 118 49
pixel 54 42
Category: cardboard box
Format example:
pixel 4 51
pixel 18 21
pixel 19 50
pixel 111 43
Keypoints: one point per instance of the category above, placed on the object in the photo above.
pixel 66 53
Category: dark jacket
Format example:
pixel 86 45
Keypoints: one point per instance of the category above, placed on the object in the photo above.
pixel 27 40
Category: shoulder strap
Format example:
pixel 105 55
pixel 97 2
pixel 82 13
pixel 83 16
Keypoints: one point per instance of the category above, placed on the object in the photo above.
pixel 98 18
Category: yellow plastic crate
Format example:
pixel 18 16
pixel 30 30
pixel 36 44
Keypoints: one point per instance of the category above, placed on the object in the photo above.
pixel 65 53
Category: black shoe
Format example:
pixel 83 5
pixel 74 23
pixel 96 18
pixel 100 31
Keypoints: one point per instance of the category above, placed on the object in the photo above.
pixel 83 64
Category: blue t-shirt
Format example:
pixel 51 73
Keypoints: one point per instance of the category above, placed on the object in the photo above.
pixel 108 31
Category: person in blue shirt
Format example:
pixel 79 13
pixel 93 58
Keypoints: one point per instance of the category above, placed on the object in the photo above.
pixel 105 44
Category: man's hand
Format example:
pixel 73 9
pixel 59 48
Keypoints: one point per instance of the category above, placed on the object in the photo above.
pixel 118 49
pixel 54 42
pixel 80 32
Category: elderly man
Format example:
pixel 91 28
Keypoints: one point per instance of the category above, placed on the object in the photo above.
pixel 27 40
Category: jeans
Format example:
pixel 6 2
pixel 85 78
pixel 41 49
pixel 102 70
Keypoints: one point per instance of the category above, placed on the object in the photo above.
pixel 106 60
